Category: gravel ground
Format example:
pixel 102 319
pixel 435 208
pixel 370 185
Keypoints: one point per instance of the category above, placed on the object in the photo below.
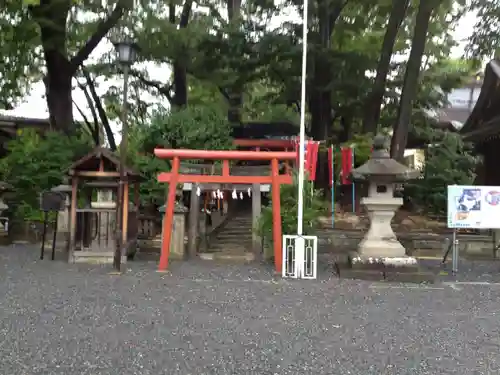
pixel 205 318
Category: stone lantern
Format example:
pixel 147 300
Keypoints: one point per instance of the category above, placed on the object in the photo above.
pixel 381 173
pixel 63 222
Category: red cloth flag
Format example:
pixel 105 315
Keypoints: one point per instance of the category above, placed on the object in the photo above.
pixel 313 159
pixel 346 160
pixel 310 157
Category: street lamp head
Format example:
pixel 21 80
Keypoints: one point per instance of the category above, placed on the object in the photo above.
pixel 126 52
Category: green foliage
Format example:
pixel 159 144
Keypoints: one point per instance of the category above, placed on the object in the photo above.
pixel 484 43
pixel 314 207
pixel 150 190
pixel 449 162
pixel 35 164
pixel 195 127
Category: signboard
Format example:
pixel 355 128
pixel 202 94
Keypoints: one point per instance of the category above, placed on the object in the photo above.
pixel 475 207
pixel 52 201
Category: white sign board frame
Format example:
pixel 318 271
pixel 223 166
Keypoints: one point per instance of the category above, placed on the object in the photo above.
pixel 473 207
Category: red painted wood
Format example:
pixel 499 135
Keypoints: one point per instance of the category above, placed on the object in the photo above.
pixel 174 178
pixel 275 193
pixel 209 179
pixel 169 216
pixel 221 155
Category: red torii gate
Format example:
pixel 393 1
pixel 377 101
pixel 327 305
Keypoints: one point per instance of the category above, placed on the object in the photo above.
pixel 174 178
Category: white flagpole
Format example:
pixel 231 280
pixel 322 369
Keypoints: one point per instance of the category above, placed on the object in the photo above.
pixel 302 134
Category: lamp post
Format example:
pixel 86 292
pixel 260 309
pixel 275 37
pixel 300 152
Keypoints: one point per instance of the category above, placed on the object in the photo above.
pixel 126 52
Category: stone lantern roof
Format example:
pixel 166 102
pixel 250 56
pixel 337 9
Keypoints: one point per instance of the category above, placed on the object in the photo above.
pixel 381 167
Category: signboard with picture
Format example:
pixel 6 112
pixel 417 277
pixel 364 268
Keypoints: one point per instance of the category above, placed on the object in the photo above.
pixel 474 207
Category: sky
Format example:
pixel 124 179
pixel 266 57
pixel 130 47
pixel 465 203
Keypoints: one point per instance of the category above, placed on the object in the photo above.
pixel 35 106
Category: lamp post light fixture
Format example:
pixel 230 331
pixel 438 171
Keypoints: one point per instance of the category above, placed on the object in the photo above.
pixel 126 52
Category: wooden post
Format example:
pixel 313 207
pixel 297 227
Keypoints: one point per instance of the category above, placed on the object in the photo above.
pixel 275 192
pixel 72 216
pixel 194 219
pixel 136 197
pixel 256 211
pixel 169 216
pixel 125 213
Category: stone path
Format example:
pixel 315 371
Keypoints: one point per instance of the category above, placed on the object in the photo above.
pixel 203 318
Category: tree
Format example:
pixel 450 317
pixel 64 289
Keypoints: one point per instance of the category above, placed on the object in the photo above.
pixel 374 99
pixel 413 66
pixel 20 62
pixel 99 115
pixel 56 19
pixel 485 40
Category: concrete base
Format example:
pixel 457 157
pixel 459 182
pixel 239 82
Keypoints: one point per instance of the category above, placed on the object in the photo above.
pixel 375 270
pixel 92 257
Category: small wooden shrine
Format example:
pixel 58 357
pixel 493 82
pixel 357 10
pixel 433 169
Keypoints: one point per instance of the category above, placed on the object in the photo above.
pixel 94 186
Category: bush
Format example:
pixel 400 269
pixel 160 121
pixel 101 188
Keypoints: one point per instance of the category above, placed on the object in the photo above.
pixel 35 164
pixel 449 161
pixel 314 207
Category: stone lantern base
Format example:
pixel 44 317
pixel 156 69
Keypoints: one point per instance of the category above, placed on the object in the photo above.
pixel 380 240
pixel 380 256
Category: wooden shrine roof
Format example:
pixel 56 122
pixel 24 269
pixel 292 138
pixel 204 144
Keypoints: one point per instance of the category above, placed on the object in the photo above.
pixel 101 160
pixel 484 120
pixel 263 130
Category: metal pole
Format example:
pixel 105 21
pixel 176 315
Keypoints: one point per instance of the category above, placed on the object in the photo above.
pixel 454 267
pixel 54 236
pixel 121 186
pixel 44 233
pixel 333 185
pixel 302 133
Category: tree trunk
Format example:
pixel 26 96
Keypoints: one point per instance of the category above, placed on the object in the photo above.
pixel 320 99
pixel 59 92
pixel 374 100
pixel 103 116
pixel 235 91
pixel 180 86
pixel 410 84
pixel 51 16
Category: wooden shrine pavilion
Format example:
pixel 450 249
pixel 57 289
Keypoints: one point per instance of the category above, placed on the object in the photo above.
pixel 93 210
pixel 482 128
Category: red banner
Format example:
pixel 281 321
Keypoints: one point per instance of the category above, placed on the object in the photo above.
pixel 313 154
pixel 310 157
pixel 347 163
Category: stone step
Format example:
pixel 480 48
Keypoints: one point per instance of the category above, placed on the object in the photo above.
pixel 230 226
pixel 233 235
pixel 232 242
pixel 429 254
pixel 229 249
pixel 237 227
pixel 229 256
